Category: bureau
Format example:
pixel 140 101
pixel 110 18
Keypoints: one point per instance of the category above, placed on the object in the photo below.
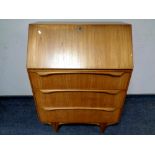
pixel 79 73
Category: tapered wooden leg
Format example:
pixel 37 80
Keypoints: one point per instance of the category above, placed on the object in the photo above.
pixel 55 126
pixel 102 127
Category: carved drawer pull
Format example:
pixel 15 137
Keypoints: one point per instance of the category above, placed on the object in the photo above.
pixel 114 74
pixel 49 91
pixel 108 109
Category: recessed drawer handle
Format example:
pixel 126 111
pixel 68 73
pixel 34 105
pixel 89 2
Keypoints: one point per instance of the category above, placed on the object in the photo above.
pixel 116 74
pixel 49 91
pixel 108 109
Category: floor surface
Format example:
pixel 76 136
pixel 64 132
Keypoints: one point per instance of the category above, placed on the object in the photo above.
pixel 18 117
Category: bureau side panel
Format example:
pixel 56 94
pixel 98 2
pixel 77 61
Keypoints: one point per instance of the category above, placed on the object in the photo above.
pixel 34 95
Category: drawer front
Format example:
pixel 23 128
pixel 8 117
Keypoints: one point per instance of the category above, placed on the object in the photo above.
pixel 79 116
pixel 106 100
pixel 74 79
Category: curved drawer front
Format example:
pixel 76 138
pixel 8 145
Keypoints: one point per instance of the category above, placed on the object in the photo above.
pixel 79 116
pixel 79 79
pixel 106 100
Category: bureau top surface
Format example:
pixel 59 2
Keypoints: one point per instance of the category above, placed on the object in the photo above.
pixel 80 46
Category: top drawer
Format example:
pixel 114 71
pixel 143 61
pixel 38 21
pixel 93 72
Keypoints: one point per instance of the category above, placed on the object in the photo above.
pixel 79 79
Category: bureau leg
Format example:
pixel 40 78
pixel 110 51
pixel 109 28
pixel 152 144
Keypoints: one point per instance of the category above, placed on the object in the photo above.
pixel 55 126
pixel 102 127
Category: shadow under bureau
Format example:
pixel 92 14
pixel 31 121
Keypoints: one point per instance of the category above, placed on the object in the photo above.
pixel 79 73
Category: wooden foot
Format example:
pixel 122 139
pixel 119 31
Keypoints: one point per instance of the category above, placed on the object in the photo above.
pixel 102 127
pixel 55 126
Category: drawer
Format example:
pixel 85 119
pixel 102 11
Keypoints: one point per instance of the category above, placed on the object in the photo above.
pixel 79 99
pixel 79 116
pixel 79 79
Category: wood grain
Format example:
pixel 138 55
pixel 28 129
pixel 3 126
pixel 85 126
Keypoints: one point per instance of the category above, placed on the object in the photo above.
pixel 80 46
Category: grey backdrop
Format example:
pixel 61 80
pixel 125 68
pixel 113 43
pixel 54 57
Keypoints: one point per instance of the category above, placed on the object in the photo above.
pixel 13 49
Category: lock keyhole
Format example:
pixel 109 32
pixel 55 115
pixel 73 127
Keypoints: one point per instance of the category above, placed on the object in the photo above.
pixel 79 29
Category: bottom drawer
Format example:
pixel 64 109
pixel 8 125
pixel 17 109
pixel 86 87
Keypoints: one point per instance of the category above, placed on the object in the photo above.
pixel 79 116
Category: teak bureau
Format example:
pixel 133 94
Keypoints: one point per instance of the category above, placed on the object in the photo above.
pixel 79 73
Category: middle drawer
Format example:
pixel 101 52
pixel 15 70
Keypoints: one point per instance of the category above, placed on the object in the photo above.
pixel 56 99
